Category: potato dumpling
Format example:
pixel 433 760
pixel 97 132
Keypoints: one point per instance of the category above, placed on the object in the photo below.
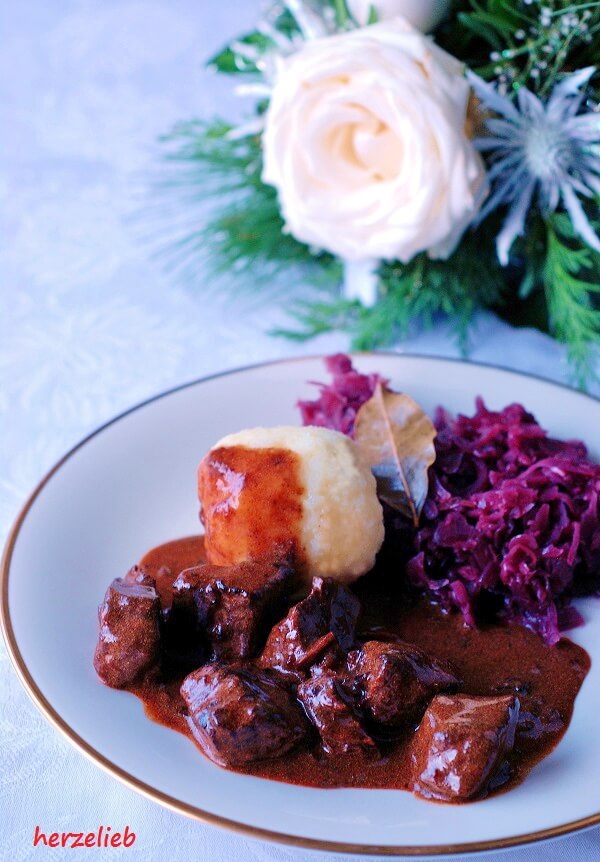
pixel 291 486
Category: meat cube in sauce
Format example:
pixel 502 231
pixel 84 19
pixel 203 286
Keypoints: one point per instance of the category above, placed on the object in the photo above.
pixel 239 714
pixel 233 607
pixel 330 709
pixel 129 636
pixel 460 744
pixel 325 619
pixel 395 681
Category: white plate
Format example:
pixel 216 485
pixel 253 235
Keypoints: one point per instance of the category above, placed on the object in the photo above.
pixel 131 485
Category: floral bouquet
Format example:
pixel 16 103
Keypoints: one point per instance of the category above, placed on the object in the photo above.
pixel 420 157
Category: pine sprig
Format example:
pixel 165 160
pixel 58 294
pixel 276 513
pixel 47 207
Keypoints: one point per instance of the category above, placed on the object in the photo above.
pixel 571 279
pixel 415 294
pixel 243 231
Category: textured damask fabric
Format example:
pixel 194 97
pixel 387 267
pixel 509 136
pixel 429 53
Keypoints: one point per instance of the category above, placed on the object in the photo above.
pixel 90 323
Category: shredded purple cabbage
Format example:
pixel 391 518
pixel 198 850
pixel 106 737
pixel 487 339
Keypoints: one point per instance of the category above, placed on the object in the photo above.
pixel 339 401
pixel 510 528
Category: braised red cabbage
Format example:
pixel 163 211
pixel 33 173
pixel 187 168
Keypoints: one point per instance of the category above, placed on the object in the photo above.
pixel 339 401
pixel 510 527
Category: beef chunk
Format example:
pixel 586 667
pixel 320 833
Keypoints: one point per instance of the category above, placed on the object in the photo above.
pixel 128 640
pixel 460 744
pixel 231 608
pixel 329 707
pixel 325 619
pixel 395 681
pixel 239 714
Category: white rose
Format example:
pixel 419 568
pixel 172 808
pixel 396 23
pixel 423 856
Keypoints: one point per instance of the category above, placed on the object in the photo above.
pixel 425 15
pixel 365 143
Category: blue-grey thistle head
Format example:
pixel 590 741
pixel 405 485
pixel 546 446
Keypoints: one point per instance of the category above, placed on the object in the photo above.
pixel 546 149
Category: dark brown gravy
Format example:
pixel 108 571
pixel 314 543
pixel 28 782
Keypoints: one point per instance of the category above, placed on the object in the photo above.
pixel 494 660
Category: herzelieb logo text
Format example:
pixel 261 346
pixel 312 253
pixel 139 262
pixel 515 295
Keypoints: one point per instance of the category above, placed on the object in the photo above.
pixel 104 836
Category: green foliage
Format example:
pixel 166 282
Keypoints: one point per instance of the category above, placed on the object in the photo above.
pixel 524 43
pixel 205 162
pixel 373 16
pixel 415 293
pixel 342 15
pixel 571 279
pixel 242 56
pixel 495 22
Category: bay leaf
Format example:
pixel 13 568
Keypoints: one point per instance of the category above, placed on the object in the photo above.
pixel 396 437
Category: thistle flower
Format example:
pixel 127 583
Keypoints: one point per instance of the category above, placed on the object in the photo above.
pixel 549 150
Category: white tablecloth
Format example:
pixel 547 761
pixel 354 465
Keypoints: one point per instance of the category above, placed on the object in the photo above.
pixel 90 323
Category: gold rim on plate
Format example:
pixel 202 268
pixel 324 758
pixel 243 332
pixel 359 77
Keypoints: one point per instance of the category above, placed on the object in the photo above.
pixel 177 804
